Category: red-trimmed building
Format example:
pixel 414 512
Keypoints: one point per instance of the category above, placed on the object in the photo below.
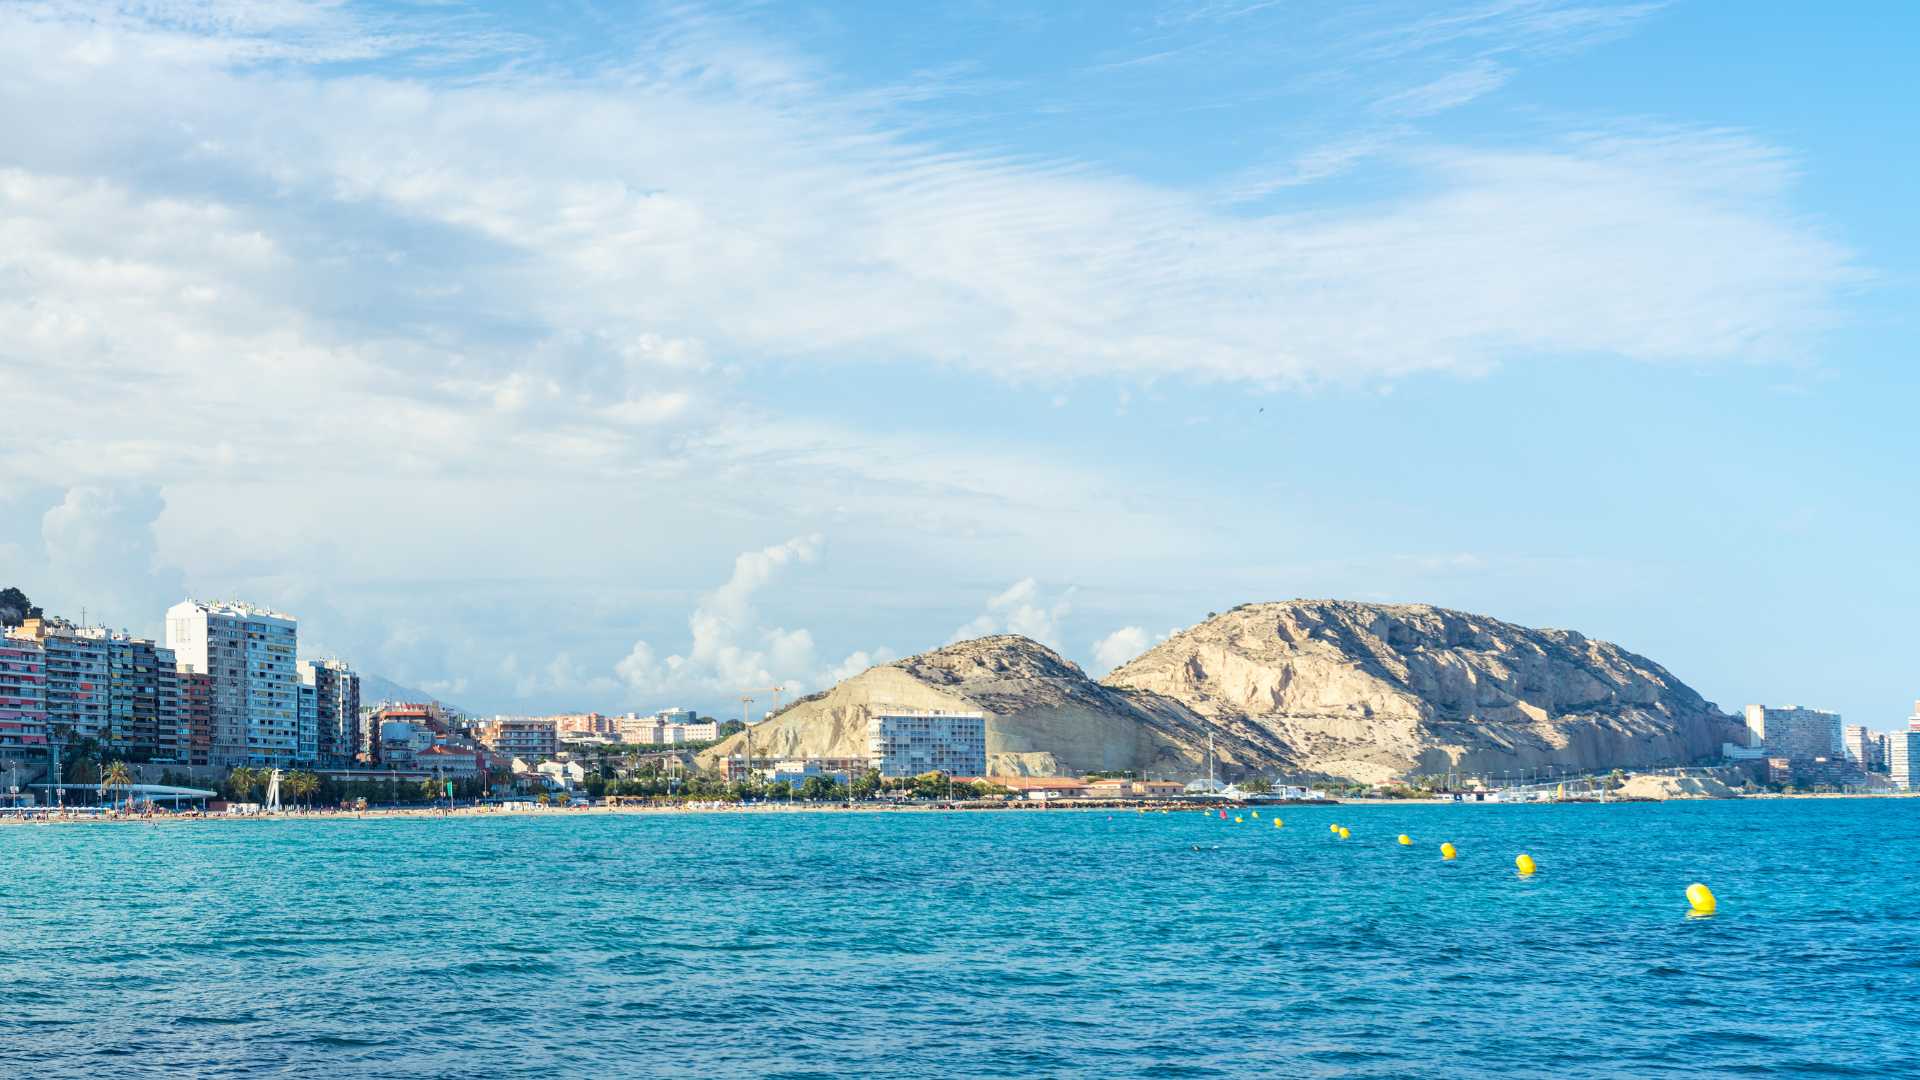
pixel 23 696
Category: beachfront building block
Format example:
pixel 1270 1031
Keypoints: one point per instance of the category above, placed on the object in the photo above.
pixel 1791 731
pixel 913 743
pixel 248 654
pixel 336 692
pixel 23 699
pixel 1903 758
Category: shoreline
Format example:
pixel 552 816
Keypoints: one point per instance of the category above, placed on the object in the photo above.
pixel 409 813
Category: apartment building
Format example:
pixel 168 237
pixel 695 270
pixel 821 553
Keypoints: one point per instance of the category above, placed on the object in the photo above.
pixel 529 737
pixel 23 699
pixel 248 653
pixel 1791 731
pixel 336 694
pixel 912 743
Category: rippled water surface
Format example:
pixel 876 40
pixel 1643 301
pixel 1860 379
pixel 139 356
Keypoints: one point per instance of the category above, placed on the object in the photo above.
pixel 977 944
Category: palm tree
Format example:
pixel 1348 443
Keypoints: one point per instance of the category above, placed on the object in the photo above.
pixel 240 782
pixel 300 784
pixel 115 775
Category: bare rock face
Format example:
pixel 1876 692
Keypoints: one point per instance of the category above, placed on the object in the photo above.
pixel 1044 716
pixel 1373 692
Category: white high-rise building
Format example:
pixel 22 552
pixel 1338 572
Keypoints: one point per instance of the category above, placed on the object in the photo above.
pixel 254 688
pixel 1791 731
pixel 913 743
pixel 1903 758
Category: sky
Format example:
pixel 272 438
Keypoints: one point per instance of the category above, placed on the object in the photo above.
pixel 572 355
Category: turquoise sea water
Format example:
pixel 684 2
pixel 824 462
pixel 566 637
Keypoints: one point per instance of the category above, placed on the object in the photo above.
pixel 974 944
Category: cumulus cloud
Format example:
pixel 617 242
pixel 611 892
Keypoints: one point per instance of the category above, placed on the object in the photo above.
pixel 1118 647
pixel 101 555
pixel 731 648
pixel 1023 608
pixel 365 299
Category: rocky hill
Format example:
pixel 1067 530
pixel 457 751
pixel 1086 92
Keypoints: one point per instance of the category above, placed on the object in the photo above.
pixel 1304 688
pixel 1044 715
pixel 1377 691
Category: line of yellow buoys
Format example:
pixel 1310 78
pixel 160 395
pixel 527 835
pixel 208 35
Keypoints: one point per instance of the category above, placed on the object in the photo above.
pixel 1700 899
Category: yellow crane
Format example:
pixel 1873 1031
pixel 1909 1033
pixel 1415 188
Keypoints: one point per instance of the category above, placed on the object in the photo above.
pixel 746 699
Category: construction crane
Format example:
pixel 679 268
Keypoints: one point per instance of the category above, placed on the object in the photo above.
pixel 746 725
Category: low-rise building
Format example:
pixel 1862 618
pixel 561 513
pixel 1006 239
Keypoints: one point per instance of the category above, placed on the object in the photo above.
pixel 797 771
pixel 518 736
pixel 1043 787
pixel 570 725
pixel 669 727
pixel 1122 788
pixel 453 761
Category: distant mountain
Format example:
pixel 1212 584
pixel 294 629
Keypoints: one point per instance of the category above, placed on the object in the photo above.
pixel 1044 716
pixel 377 688
pixel 1368 692
pixel 1378 691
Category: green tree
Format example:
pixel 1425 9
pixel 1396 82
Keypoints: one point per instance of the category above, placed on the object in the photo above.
pixel 1256 785
pixel 866 784
pixel 300 785
pixel 820 789
pixel 15 608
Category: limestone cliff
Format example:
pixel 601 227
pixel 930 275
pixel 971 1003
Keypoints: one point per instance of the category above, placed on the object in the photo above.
pixel 1377 691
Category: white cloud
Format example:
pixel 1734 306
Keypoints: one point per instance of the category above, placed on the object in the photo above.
pixel 1023 608
pixel 731 649
pixel 512 322
pixel 101 556
pixel 860 660
pixel 1118 647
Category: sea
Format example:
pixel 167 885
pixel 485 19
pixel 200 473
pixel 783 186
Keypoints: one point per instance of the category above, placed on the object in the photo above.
pixel 972 944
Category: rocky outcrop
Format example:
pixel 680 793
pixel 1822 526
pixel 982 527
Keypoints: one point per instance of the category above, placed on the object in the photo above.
pixel 1044 715
pixel 1372 692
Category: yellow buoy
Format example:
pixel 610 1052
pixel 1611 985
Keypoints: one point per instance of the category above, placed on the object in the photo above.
pixel 1343 832
pixel 1447 851
pixel 1277 823
pixel 1256 815
pixel 1333 828
pixel 1700 898
pixel 1237 819
pixel 1524 862
pixel 1405 840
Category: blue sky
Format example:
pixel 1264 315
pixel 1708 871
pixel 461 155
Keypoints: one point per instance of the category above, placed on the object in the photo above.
pixel 568 355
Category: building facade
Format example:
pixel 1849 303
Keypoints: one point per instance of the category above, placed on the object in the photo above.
pixel 1863 748
pixel 912 743
pixel 532 738
pixel 196 713
pixel 1903 758
pixel 76 676
pixel 248 653
pixel 336 693
pixel 671 727
pixel 23 699
pixel 143 698
pixel 1791 731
